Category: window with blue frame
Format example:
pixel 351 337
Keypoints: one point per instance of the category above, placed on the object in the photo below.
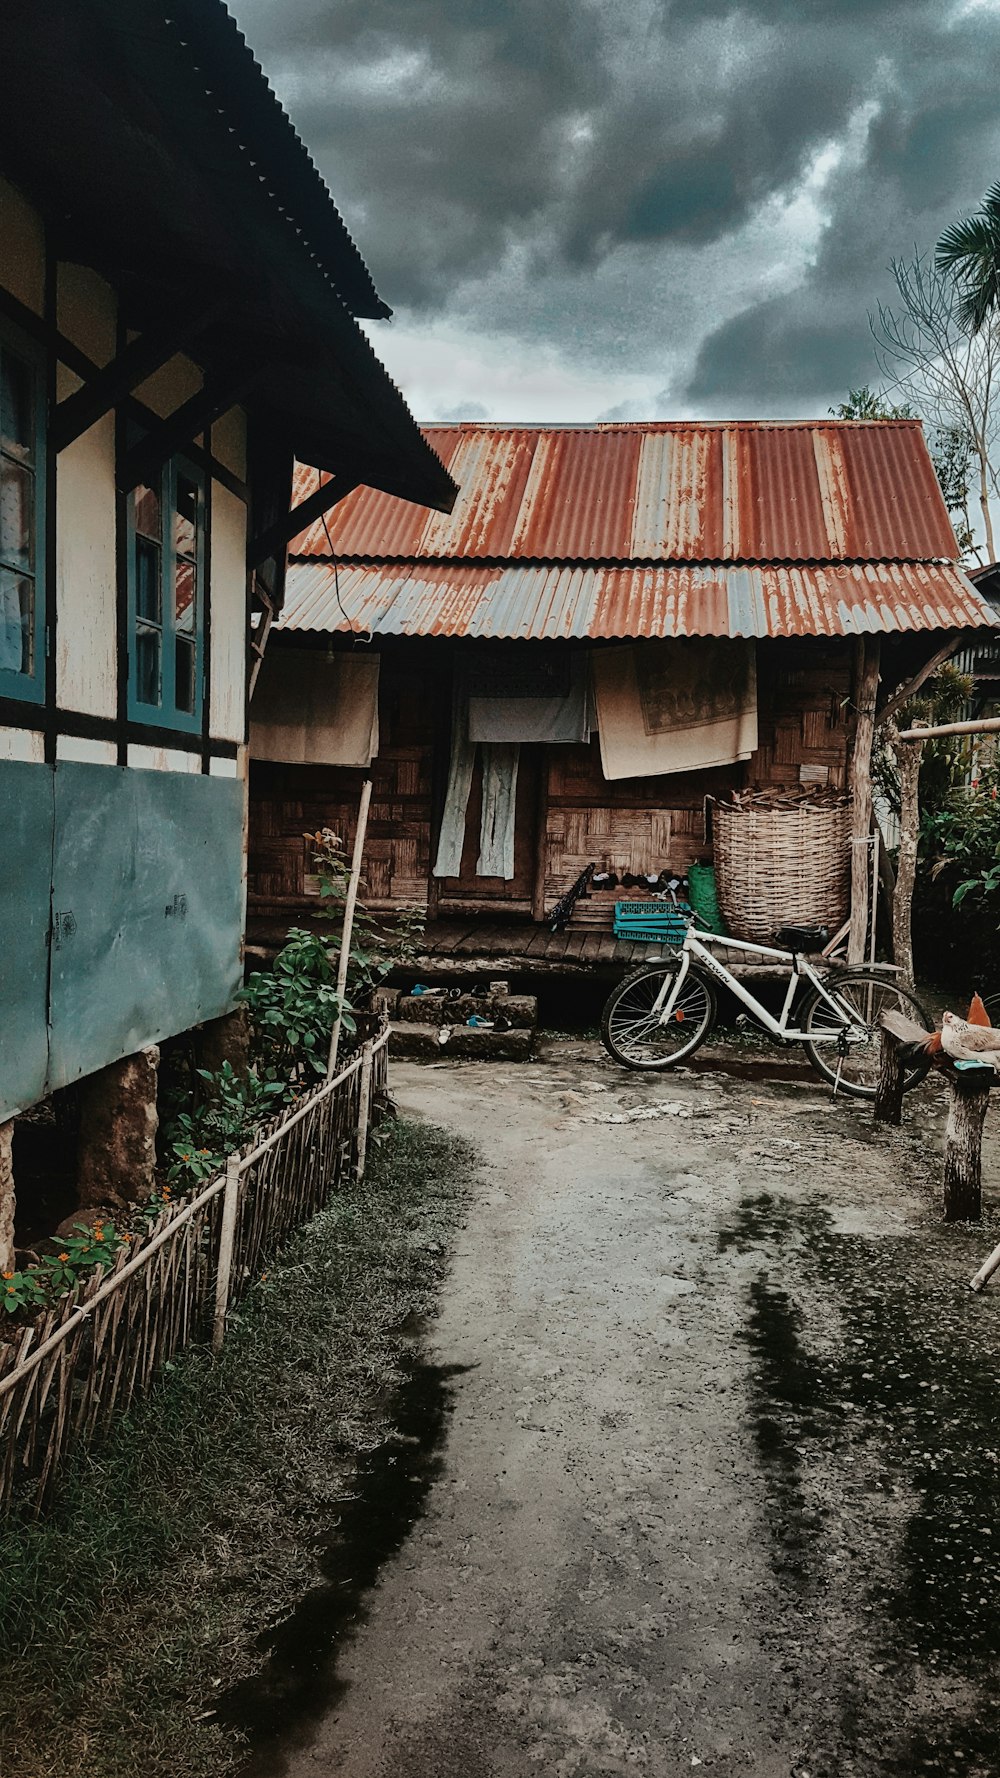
pixel 167 598
pixel 22 530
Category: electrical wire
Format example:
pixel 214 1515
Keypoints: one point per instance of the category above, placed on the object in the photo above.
pixel 365 637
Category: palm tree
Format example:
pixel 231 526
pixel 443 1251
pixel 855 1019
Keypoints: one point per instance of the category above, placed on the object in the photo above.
pixel 969 252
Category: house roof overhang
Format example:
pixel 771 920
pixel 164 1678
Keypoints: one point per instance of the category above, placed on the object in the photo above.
pixel 150 141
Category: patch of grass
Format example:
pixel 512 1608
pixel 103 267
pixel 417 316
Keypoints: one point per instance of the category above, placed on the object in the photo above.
pixel 138 1599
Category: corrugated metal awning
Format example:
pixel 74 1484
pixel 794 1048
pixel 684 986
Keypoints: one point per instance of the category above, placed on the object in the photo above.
pixel 538 601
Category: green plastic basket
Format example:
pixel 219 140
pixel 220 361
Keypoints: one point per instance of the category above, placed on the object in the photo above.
pixel 663 922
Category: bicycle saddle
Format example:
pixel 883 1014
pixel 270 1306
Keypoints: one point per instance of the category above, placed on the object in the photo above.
pixel 802 938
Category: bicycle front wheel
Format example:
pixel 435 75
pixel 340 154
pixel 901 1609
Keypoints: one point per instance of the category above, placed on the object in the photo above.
pixel 630 1026
pixel 846 1047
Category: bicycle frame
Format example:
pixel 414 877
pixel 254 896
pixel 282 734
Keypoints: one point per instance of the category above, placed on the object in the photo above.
pixel 696 946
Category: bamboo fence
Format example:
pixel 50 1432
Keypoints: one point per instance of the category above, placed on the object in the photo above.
pixel 64 1376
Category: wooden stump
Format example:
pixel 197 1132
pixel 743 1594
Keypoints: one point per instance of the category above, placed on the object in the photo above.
pixel 892 1073
pixel 968 1098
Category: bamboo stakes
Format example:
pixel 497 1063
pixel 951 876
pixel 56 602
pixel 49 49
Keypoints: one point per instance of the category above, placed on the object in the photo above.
pixel 67 1374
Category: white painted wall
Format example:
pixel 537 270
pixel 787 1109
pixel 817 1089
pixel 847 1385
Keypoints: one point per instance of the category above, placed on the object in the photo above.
pixel 174 382
pixel 163 759
pixel 229 441
pixel 23 238
pixel 87 753
pixel 223 768
pixel 86 670
pixel 22 743
pixel 229 620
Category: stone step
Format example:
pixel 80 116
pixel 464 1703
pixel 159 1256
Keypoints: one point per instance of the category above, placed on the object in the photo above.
pixel 424 1009
pixel 424 1041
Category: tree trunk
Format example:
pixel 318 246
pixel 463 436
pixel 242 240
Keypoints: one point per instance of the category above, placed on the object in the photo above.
pixel 968 1099
pixel 908 756
pixel 984 501
pixel 7 1202
pixel 865 694
pixel 889 1092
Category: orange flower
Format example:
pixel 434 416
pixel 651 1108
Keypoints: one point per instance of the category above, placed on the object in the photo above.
pixel 64 1257
pixel 8 1274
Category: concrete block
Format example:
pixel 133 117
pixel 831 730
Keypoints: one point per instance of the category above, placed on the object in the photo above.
pixel 424 1042
pixel 420 1009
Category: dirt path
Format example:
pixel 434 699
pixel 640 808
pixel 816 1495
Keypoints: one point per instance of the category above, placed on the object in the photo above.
pixel 719 1482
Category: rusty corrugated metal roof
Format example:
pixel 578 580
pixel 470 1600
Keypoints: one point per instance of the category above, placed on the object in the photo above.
pixel 546 601
pixel 740 491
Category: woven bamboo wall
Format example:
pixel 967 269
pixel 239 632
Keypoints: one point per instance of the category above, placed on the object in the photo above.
pixel 634 825
pixel 651 824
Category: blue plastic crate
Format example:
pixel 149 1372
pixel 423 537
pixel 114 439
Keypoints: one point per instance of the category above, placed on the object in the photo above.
pixel 662 922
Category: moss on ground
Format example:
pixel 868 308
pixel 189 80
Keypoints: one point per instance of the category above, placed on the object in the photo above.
pixel 141 1596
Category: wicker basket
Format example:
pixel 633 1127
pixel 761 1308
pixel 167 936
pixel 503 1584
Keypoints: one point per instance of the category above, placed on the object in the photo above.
pixel 782 866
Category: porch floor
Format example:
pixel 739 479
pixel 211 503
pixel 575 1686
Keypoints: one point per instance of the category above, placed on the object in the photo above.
pixel 457 946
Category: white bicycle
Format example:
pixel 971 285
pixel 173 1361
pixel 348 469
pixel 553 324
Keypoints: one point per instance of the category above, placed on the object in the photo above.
pixel 660 1013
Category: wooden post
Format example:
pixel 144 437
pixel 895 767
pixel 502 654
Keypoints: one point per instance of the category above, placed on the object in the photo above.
pixel 889 1092
pixel 227 1241
pixel 345 938
pixel 908 758
pixel 968 1098
pixel 7 1200
pixel 364 1105
pixel 865 695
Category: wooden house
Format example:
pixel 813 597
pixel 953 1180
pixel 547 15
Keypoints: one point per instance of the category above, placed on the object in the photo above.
pixel 794 553
pixel 178 323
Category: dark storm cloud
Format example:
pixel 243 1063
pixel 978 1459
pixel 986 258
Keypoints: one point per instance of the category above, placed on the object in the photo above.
pixel 520 161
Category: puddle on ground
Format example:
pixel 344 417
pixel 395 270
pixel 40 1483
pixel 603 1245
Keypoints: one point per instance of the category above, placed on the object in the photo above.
pixel 276 1708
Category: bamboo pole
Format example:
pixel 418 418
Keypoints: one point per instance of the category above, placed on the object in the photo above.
pixel 349 907
pixel 227 1241
pixel 983 725
pixel 364 1106
pixel 865 697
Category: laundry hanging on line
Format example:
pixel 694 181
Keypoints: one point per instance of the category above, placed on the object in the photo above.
pixel 506 706
pixel 313 708
pixel 499 798
pixel 681 705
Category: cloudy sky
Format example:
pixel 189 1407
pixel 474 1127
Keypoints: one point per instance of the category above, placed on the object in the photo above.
pixel 584 209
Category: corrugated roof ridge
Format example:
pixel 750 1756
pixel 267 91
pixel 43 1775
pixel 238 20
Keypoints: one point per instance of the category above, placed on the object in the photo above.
pixel 353 560
pixel 591 426
pixel 200 19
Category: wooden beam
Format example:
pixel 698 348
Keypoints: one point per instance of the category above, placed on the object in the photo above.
pixel 984 725
pixel 865 697
pixel 136 362
pixel 277 536
pixel 221 390
pixel 913 685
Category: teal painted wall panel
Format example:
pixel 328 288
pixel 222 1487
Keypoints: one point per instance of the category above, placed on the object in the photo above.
pixel 26 814
pixel 147 910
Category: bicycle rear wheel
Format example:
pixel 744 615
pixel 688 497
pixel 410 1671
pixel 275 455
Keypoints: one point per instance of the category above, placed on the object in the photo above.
pixel 630 1028
pixel 850 1057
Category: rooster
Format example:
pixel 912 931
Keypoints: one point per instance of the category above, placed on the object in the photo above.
pixel 959 1040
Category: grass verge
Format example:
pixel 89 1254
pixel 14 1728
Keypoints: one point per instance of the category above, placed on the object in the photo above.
pixel 139 1598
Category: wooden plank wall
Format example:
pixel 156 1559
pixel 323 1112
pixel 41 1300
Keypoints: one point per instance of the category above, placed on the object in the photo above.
pixel 633 825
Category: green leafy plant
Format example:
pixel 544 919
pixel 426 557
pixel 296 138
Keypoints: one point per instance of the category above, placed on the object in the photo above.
pixel 200 1137
pixel 293 1007
pixel 56 1274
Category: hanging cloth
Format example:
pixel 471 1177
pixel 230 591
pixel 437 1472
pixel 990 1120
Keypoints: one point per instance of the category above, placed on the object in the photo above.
pixel 682 705
pixel 451 841
pixel 311 708
pixel 496 826
pixel 562 715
